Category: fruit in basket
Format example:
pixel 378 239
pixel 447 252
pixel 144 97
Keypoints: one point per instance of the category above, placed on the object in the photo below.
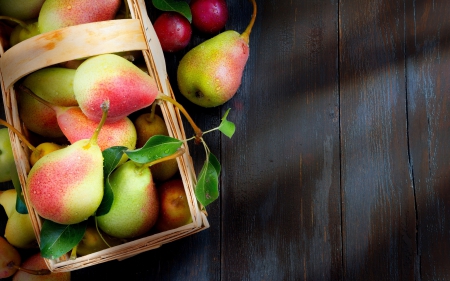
pixel 66 186
pixel 211 73
pixel 173 30
pixel 57 14
pixel 26 10
pixel 209 16
pixel 6 156
pixel 135 207
pixel 92 242
pixel 43 149
pixel 53 84
pixel 19 230
pixel 111 77
pixel 9 259
pixel 36 263
pixel 37 117
pixel 21 32
pixel 148 125
pixel 174 208
pixel 76 126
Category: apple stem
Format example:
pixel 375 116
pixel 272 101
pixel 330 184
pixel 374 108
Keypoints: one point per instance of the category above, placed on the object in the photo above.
pixel 246 34
pixel 30 271
pixel 105 108
pixel 198 132
pixel 19 22
pixel 19 134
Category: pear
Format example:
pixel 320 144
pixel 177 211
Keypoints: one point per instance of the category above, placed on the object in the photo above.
pixel 134 210
pixel 37 117
pixel 9 259
pixel 210 73
pixel 92 242
pixel 36 264
pixel 66 186
pixel 6 156
pixel 114 78
pixel 57 14
pixel 53 84
pixel 19 230
pixel 25 10
pixel 174 208
pixel 148 125
pixel 23 32
pixel 43 149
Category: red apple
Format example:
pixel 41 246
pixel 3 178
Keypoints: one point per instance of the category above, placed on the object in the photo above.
pixel 173 206
pixel 209 16
pixel 173 30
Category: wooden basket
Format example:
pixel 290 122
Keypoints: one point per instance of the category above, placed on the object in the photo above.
pixel 83 41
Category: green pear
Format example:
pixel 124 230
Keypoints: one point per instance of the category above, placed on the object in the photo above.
pixel 21 33
pixel 53 84
pixel 9 259
pixel 19 230
pixel 66 186
pixel 135 206
pixel 210 73
pixel 57 14
pixel 174 208
pixel 25 10
pixel 35 264
pixel 6 156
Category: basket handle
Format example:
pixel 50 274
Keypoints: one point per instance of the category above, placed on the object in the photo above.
pixel 70 43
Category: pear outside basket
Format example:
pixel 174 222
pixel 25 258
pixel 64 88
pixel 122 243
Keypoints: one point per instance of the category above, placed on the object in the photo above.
pixel 82 41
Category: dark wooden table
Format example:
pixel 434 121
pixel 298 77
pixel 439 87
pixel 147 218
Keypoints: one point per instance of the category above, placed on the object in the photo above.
pixel 339 168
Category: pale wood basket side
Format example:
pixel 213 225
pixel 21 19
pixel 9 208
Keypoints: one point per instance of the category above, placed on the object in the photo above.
pixel 83 41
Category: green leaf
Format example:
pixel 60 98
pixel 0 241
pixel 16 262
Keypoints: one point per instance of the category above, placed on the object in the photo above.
pixel 21 208
pixel 207 188
pixel 58 239
pixel 226 127
pixel 111 158
pixel 174 6
pixel 155 148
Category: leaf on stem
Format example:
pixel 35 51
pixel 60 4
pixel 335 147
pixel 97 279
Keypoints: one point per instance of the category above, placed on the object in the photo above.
pixel 58 239
pixel 111 157
pixel 207 188
pixel 155 148
pixel 174 6
pixel 227 127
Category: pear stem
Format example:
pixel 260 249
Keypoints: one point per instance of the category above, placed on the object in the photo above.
pixel 198 132
pixel 105 108
pixel 19 134
pixel 246 34
pixel 178 153
pixel 73 253
pixel 152 113
pixel 30 271
pixel 19 22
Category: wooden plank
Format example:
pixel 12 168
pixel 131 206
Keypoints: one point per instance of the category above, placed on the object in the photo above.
pixel 428 64
pixel 280 202
pixel 377 194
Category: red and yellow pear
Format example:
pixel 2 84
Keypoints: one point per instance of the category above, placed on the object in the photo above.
pixel 56 14
pixel 9 259
pixel 36 264
pixel 66 186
